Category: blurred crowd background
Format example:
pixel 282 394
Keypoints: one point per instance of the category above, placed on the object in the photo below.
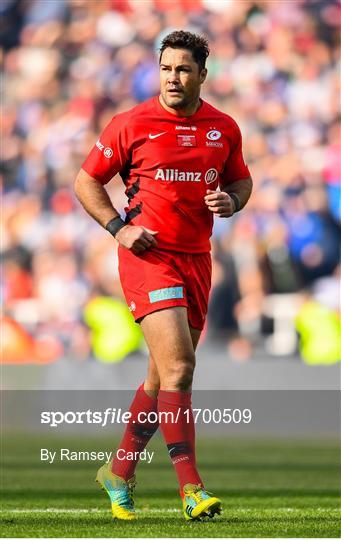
pixel 69 66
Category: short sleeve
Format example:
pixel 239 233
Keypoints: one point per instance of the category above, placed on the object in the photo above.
pixel 235 167
pixel 110 154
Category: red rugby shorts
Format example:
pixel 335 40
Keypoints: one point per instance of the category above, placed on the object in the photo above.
pixel 159 279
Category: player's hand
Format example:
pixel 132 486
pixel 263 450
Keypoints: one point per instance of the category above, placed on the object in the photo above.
pixel 136 238
pixel 220 203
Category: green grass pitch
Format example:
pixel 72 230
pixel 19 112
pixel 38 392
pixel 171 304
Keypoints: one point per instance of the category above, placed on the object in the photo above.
pixel 268 488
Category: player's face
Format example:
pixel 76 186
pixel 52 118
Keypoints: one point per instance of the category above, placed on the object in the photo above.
pixel 180 79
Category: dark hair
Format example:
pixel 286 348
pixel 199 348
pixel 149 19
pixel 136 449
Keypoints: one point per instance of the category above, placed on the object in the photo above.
pixel 180 39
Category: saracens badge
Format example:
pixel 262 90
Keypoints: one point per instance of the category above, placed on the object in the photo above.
pixel 213 135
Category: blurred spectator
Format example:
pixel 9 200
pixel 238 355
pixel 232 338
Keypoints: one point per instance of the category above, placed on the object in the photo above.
pixel 71 64
pixel 19 347
pixel 320 333
pixel 114 333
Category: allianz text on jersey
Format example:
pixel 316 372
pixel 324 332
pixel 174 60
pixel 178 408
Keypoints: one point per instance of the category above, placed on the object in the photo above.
pixel 174 175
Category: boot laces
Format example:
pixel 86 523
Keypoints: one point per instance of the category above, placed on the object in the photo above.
pixel 198 493
pixel 124 499
pixel 131 484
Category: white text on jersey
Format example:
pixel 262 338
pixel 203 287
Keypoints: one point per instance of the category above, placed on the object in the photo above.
pixel 174 175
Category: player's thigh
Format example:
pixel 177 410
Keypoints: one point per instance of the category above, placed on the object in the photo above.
pixel 168 337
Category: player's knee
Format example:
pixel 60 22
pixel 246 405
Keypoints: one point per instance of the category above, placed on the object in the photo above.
pixel 186 379
pixel 153 380
pixel 152 386
pixel 180 375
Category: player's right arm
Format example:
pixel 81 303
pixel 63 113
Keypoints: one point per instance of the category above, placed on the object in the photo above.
pixel 109 156
pixel 94 198
pixel 96 201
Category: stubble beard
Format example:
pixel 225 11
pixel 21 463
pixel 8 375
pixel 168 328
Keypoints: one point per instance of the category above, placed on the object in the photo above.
pixel 178 102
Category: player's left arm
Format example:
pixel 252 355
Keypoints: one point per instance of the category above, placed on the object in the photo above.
pixel 235 181
pixel 230 199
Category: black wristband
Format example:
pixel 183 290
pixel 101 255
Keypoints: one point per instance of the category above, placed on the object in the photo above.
pixel 114 225
pixel 236 201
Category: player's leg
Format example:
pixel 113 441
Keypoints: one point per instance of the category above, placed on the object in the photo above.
pixel 137 434
pixel 197 503
pixel 117 477
pixel 195 336
pixel 130 443
pixel 172 344
pixel 138 431
pixel 162 271
pixel 168 337
pixel 152 381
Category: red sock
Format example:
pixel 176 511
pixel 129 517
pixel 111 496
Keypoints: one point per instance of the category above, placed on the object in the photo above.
pixel 136 435
pixel 179 434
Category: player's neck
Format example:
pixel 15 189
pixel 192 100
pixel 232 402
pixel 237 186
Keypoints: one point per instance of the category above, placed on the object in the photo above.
pixel 188 111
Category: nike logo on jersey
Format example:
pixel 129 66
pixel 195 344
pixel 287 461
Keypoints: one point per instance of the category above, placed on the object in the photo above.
pixel 151 136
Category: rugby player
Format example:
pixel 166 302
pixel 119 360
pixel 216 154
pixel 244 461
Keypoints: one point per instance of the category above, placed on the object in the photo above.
pixel 181 162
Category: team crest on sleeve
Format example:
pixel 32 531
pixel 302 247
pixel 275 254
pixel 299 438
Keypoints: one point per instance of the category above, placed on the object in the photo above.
pixel 108 152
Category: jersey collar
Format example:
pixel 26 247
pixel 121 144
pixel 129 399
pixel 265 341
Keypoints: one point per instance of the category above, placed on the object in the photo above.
pixel 181 119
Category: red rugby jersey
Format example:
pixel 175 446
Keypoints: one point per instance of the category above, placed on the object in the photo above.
pixel 167 163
